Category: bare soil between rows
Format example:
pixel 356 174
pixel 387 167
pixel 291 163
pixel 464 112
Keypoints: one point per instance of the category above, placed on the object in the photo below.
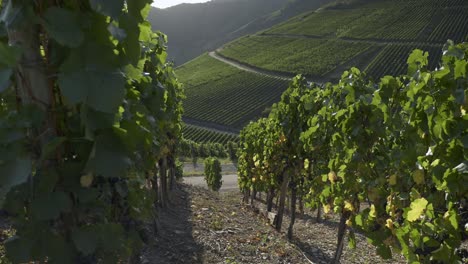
pixel 201 226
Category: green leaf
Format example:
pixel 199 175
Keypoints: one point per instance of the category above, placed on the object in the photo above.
pixel 109 158
pixel 9 56
pixel 5 79
pixel 460 68
pixel 137 8
pixel 418 177
pixel 85 240
pixel 444 253
pixel 358 220
pixel 51 146
pixel 417 60
pixel 18 250
pixel 352 240
pixel 48 206
pixel 417 208
pixel 63 26
pixel 112 8
pixel 111 236
pixel 91 87
pixel 14 172
pixel 57 249
pixel 384 252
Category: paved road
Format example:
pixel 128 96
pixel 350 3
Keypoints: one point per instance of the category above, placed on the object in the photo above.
pixel 229 182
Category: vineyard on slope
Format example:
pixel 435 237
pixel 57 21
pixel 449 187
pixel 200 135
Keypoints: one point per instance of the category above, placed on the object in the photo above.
pixel 398 146
pixel 264 51
pixel 222 94
pixel 204 135
pixel 348 34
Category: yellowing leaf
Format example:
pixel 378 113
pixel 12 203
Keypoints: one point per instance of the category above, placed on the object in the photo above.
pixel 349 223
pixel 86 180
pixel 326 208
pixel 332 177
pixel 349 206
pixel 372 212
pixel 389 224
pixel 257 163
pixel 417 208
pixel 392 180
pixel 418 176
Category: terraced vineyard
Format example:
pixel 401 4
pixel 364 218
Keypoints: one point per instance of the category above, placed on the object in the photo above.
pixel 453 25
pixel 384 20
pixel 203 135
pixel 375 35
pixel 392 59
pixel 313 57
pixel 221 94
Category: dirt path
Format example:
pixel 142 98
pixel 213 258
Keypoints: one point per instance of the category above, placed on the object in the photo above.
pixel 201 226
pixel 229 182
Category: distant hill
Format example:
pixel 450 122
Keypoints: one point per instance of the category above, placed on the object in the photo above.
pixel 376 36
pixel 193 29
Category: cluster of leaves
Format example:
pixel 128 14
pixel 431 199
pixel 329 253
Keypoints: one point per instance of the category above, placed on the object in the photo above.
pixel 399 145
pixel 88 105
pixel 213 175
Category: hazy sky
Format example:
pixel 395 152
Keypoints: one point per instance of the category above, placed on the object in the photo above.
pixel 168 3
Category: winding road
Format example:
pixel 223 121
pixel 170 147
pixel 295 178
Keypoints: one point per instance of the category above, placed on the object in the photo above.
pixel 253 69
pixel 245 67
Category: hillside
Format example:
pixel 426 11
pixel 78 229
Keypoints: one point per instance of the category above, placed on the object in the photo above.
pixel 375 36
pixel 355 35
pixel 225 97
pixel 197 28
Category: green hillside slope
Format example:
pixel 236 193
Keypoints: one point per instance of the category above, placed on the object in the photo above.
pixel 318 42
pixel 203 135
pixel 264 51
pixel 197 28
pixel 223 95
pixel 375 36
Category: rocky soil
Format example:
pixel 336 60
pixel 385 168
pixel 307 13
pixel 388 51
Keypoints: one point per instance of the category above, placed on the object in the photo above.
pixel 207 227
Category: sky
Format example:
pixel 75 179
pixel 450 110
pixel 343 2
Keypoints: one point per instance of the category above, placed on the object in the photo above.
pixel 168 3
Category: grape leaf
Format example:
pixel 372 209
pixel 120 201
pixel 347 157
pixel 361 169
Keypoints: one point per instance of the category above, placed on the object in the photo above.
pixel 14 172
pixel 85 240
pixel 63 26
pixel 90 87
pixel 417 208
pixel 49 206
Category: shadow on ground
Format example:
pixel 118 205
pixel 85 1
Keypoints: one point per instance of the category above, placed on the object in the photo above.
pixel 174 231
